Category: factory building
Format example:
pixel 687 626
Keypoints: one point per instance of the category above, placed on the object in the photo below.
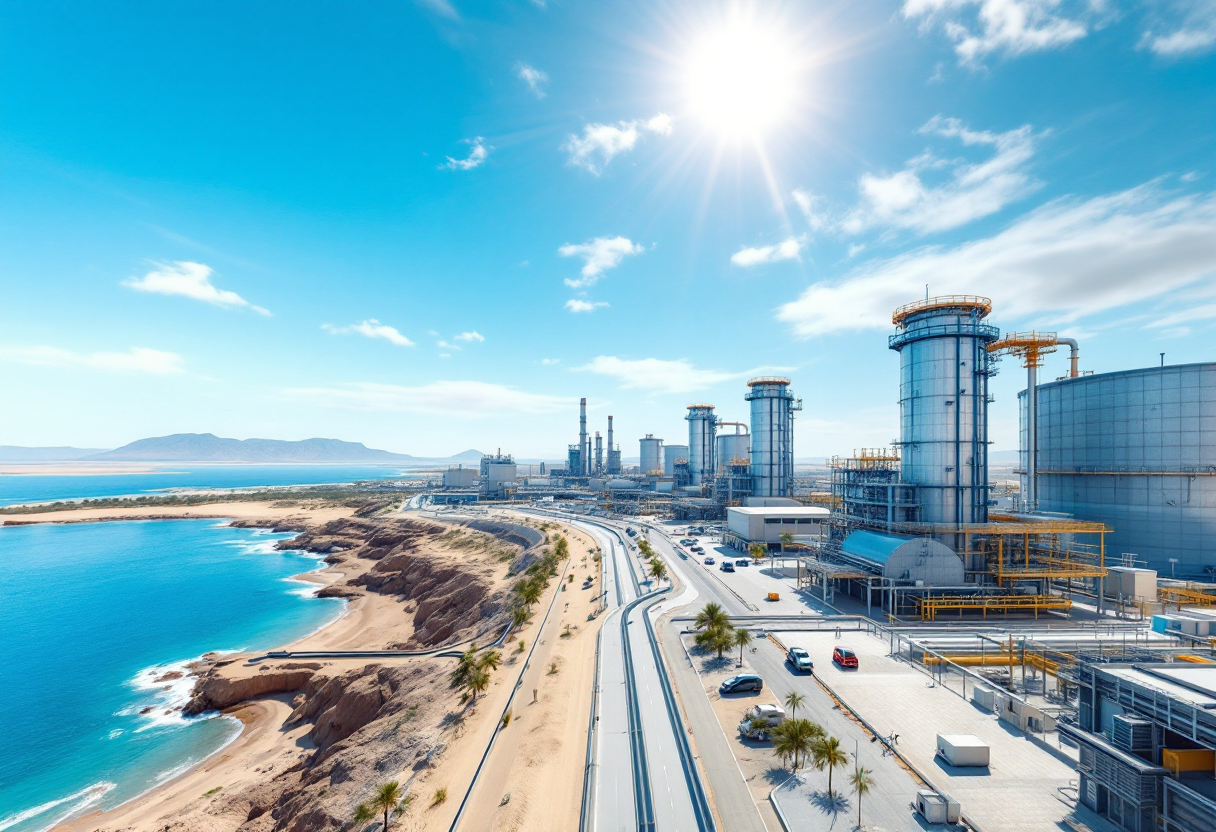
pixel 651 455
pixel 944 366
pixel 1135 450
pixel 460 477
pixel 772 424
pixel 765 525
pixel 672 455
pixel 498 474
pixel 1147 744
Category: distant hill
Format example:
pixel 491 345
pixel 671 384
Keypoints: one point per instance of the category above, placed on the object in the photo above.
pixel 207 447
pixel 18 453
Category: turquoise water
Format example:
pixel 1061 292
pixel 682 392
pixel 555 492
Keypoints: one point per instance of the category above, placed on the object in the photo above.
pixel 90 615
pixel 38 488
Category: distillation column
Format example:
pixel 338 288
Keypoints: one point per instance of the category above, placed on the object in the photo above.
pixel 614 453
pixel 702 425
pixel 584 444
pixel 772 451
pixel 943 405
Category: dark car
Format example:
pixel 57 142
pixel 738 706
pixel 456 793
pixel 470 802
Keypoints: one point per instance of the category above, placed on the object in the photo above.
pixel 709 561
pixel 629 531
pixel 742 682
pixel 844 657
pixel 743 562
pixel 727 566
pixel 800 659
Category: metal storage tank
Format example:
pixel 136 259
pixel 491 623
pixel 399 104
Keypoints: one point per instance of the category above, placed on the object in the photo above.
pixel 943 404
pixel 1135 450
pixel 772 448
pixel 670 454
pixel 651 458
pixel 730 446
pixel 702 423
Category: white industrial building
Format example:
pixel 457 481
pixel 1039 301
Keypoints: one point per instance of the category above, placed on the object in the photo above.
pixel 461 477
pixel 765 524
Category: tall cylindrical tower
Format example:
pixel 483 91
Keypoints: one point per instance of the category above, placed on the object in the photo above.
pixel 584 444
pixel 599 454
pixel 772 451
pixel 614 453
pixel 651 457
pixel 737 445
pixel 702 423
pixel 943 404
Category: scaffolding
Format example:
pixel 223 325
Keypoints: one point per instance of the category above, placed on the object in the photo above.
pixel 1188 595
pixel 929 607
pixel 733 483
pixel 868 493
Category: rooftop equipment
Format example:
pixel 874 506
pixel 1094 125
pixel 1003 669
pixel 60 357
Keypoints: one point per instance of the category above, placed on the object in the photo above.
pixel 702 424
pixel 943 404
pixel 772 449
pixel 963 750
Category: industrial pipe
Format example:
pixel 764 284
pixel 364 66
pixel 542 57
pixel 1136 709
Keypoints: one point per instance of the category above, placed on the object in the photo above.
pixel 1074 353
pixel 736 424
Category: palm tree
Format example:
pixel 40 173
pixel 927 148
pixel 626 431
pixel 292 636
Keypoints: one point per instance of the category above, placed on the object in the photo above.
pixel 711 617
pixel 489 660
pixel 741 639
pixel 792 700
pixel 466 665
pixel 862 782
pixel 787 539
pixel 530 591
pixel 829 755
pixel 364 813
pixel 658 569
pixel 795 737
pixel 519 617
pixel 757 551
pixel 386 799
pixel 477 682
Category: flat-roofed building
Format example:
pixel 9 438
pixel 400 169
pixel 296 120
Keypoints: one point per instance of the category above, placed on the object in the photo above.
pixel 755 524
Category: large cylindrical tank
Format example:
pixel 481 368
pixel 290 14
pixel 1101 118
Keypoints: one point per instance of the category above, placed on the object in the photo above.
pixel 733 446
pixel 943 404
pixel 702 424
pixel 651 455
pixel 670 454
pixel 1135 450
pixel 772 446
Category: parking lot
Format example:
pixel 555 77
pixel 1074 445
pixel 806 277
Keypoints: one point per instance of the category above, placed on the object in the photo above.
pixel 754 582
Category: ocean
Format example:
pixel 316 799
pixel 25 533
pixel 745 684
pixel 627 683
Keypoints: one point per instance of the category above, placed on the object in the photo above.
pixel 91 615
pixel 39 488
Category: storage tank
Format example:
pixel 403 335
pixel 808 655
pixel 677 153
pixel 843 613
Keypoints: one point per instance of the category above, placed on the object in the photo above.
pixel 651 459
pixel 730 446
pixel 943 404
pixel 702 423
pixel 772 446
pixel 1135 450
pixel 670 454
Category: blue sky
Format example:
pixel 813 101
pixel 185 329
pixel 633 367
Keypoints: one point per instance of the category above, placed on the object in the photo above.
pixel 431 226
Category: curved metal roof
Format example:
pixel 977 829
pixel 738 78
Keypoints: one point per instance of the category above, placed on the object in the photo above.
pixel 872 546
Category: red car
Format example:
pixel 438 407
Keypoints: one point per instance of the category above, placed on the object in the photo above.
pixel 844 657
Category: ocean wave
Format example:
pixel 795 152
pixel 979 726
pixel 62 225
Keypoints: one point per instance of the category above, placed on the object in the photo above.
pixel 79 801
pixel 161 706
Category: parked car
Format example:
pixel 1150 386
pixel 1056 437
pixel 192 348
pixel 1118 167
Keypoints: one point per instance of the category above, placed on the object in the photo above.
pixel 629 531
pixel 697 549
pixel 760 720
pixel 727 566
pixel 800 659
pixel 743 562
pixel 709 561
pixel 741 683
pixel 844 657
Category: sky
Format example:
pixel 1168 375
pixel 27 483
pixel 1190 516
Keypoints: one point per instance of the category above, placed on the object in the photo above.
pixel 431 226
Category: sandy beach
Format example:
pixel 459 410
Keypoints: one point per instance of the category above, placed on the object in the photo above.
pixel 537 759
pixel 215 511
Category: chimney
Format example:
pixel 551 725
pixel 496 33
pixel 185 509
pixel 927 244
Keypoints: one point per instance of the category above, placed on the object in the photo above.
pixel 583 444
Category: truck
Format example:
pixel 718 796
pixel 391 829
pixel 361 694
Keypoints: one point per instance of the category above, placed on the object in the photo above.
pixel 962 750
pixel 760 720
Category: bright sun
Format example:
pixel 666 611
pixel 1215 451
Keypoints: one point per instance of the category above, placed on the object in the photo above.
pixel 741 79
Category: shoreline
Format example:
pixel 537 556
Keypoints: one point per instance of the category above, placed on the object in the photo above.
pixel 255 715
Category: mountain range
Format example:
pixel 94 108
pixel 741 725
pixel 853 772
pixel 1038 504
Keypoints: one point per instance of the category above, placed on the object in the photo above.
pixel 207 447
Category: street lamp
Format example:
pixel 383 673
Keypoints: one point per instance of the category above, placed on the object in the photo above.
pixel 1172 562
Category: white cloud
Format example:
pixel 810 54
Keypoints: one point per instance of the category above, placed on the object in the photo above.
pixel 1066 259
pixel 371 328
pixel 1188 27
pixel 678 376
pixel 462 399
pixel 787 249
pixel 806 204
pixel 904 200
pixel 548 362
pixel 471 336
pixel 134 360
pixel 1012 27
pixel 444 345
pixel 189 280
pixel 575 305
pixel 600 143
pixel 443 8
pixel 534 78
pixel 599 255
pixel 478 153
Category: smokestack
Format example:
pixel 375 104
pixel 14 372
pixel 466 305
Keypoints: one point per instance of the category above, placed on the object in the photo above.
pixel 583 444
pixel 599 454
pixel 610 446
